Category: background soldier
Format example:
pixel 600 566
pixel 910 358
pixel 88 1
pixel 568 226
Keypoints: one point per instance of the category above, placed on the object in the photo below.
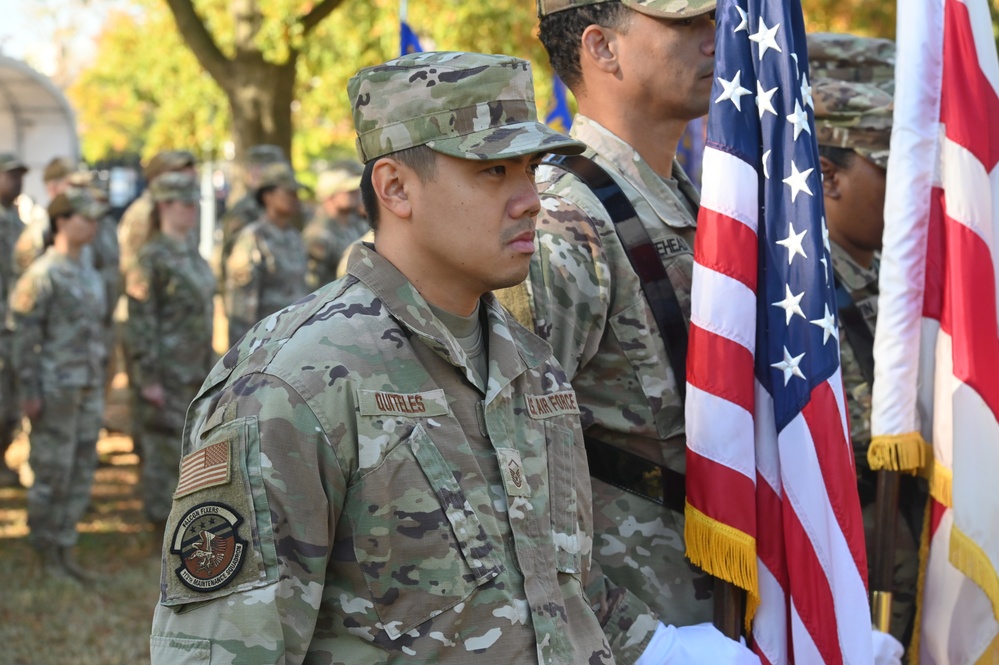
pixel 12 172
pixel 170 312
pixel 31 243
pixel 57 313
pixel 400 510
pixel 266 269
pixel 337 223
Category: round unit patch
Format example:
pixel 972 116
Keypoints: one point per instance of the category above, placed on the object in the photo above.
pixel 210 551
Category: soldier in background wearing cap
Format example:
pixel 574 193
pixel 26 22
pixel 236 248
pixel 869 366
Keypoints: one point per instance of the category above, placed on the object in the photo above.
pixel 640 71
pixel 853 120
pixel 12 171
pixel 170 292
pixel 246 210
pixel 57 309
pixel 31 243
pixel 398 473
pixel 266 269
pixel 337 223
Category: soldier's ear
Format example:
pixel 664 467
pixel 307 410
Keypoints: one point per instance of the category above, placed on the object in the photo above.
pixel 389 179
pixel 598 49
pixel 830 178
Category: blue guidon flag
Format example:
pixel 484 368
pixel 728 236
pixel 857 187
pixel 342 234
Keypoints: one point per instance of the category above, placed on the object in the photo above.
pixel 772 499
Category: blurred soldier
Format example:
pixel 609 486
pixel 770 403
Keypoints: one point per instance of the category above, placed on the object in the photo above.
pixel 853 123
pixel 169 331
pixel 640 71
pixel 12 172
pixel 57 311
pixel 246 210
pixel 31 243
pixel 266 269
pixel 338 222
pixel 396 473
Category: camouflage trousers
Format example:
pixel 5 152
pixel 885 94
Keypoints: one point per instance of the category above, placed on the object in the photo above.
pixel 63 457
pixel 10 408
pixel 159 433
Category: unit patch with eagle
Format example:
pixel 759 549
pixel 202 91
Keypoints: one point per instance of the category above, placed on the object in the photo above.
pixel 210 551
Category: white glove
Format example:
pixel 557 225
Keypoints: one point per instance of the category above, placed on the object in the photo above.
pixel 887 650
pixel 693 645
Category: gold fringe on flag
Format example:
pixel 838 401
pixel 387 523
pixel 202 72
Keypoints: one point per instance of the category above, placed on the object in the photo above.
pixel 924 557
pixel 968 557
pixel 942 484
pixel 898 452
pixel 725 552
pixel 991 654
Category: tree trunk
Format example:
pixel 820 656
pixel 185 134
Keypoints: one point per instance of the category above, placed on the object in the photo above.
pixel 260 95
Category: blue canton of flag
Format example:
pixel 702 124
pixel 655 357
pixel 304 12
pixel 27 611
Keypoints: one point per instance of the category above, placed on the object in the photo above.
pixel 559 118
pixel 408 41
pixel 796 324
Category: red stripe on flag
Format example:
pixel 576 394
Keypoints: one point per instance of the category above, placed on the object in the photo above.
pixel 937 511
pixel 706 353
pixel 835 455
pixel 770 535
pixel 968 103
pixel 726 245
pixel 723 494
pixel 810 589
pixel 935 263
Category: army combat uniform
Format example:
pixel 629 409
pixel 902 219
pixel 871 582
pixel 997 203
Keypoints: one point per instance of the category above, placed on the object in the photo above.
pixel 587 302
pixel 11 228
pixel 326 239
pixel 381 501
pixel 58 310
pixel 169 332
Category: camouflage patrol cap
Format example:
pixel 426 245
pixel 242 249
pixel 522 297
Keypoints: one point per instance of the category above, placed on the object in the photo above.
pixel 264 153
pixel 278 175
pixel 852 58
pixel 658 8
pixel 57 169
pixel 168 160
pixel 853 115
pixel 11 162
pixel 76 200
pixel 175 186
pixel 466 105
pixel 336 180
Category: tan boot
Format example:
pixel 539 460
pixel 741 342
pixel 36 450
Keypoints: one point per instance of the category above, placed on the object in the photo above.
pixel 73 567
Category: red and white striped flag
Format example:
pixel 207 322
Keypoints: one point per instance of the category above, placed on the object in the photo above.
pixel 772 499
pixel 937 346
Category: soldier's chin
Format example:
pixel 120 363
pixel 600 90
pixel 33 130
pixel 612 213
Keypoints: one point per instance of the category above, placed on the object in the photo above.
pixel 513 277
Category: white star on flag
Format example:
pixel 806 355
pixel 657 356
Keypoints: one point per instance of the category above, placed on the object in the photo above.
pixel 744 20
pixel 766 38
pixel 790 366
pixel 825 268
pixel 800 120
pixel 828 325
pixel 793 243
pixel 733 90
pixel 766 158
pixel 796 181
pixel 825 235
pixel 763 99
pixel 791 304
pixel 806 92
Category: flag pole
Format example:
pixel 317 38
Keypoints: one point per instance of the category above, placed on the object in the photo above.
pixel 729 602
pixel 883 554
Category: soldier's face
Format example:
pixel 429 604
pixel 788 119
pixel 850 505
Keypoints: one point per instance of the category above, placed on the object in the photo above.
pixel 11 183
pixel 79 230
pixel 667 65
pixel 473 224
pixel 855 203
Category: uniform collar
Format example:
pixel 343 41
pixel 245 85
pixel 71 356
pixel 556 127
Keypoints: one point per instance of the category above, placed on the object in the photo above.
pixel 624 159
pixel 512 348
pixel 851 274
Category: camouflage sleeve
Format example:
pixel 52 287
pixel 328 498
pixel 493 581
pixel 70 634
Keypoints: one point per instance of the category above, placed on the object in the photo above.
pixel 142 328
pixel 318 249
pixel 29 303
pixel 243 275
pixel 270 518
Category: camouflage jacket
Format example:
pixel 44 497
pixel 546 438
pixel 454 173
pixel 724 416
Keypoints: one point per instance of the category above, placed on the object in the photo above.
pixel 133 230
pixel 57 312
pixel 326 239
pixel 862 285
pixel 11 227
pixel 237 217
pixel 381 501
pixel 265 272
pixel 587 302
pixel 170 313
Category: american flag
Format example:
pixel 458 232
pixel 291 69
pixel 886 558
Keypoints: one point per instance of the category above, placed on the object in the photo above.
pixel 203 468
pixel 771 488
pixel 937 344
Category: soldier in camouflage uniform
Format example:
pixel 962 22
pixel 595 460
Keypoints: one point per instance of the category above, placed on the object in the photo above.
pixel 266 269
pixel 169 331
pixel 394 466
pixel 583 296
pixel 853 119
pixel 57 311
pixel 12 172
pixel 246 210
pixel 338 222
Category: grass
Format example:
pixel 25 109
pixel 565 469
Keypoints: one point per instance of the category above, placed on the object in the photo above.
pixel 45 622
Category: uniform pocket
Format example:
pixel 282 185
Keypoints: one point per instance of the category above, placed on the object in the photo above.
pixel 564 498
pixel 179 651
pixel 418 542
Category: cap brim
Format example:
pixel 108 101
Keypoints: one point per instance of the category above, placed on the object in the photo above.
pixel 515 140
pixel 672 9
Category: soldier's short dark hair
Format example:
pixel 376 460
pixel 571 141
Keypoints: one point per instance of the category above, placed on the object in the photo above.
pixel 562 35
pixel 841 157
pixel 258 195
pixel 423 161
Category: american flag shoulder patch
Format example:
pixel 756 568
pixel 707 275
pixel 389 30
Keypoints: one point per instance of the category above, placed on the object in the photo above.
pixel 203 468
